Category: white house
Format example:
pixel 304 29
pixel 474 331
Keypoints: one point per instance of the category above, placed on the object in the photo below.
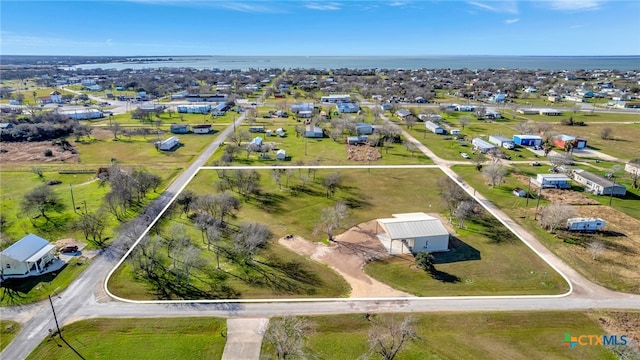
pixel 84 114
pixel 168 144
pixel 416 231
pixel 30 254
pixel 585 224
pixel 336 98
pixel 201 129
pixel 433 127
pixel 482 145
pixel 194 109
pixel 553 181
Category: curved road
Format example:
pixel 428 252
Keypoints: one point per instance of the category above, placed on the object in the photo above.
pixel 86 298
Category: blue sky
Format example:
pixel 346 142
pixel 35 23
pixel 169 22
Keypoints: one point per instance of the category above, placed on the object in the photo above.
pixel 186 27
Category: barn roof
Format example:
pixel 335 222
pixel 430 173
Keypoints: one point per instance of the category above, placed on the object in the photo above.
pixel 412 225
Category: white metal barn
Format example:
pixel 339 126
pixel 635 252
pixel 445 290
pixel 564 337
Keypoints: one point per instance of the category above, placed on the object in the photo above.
pixel 417 231
pixel 30 254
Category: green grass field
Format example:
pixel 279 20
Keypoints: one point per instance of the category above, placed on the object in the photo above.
pixel 611 272
pixel 507 266
pixel 162 338
pixel 482 335
pixel 8 330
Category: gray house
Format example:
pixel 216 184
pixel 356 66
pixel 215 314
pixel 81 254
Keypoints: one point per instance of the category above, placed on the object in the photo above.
pixel 597 184
pixel 313 132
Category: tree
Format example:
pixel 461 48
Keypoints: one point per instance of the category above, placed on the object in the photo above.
pixel 115 128
pixel 185 200
pixel 479 159
pixel 42 200
pixel 465 209
pixel 247 182
pixel 634 174
pixel 411 147
pixel 596 249
pixel 425 261
pixel 494 173
pixel 410 121
pixel 464 121
pixel 451 193
pixel 331 219
pixel 331 182
pixel 287 336
pixel 386 338
pixel 146 256
pixel 606 133
pixel 555 216
pixel 249 238
pixel 38 171
pixel 92 226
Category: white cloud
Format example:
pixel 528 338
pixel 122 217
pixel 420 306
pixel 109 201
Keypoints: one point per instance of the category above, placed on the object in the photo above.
pixel 320 6
pixel 247 6
pixel 509 7
pixel 398 3
pixel 570 5
pixel 511 21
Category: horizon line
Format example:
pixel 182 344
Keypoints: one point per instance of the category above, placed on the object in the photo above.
pixel 432 55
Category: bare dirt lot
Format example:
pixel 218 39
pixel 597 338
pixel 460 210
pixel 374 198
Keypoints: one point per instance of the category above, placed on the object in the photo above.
pixel 348 254
pixel 362 153
pixel 29 152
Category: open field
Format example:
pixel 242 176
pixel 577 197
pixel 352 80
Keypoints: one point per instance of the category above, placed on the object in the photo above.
pixel 396 191
pixel 485 335
pixel 617 267
pixel 177 338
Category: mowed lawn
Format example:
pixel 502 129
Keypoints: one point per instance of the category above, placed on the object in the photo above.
pixel 8 330
pixel 139 150
pixel 500 263
pixel 160 338
pixel 476 335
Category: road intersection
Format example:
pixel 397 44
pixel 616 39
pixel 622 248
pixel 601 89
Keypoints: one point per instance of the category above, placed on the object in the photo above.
pixel 88 296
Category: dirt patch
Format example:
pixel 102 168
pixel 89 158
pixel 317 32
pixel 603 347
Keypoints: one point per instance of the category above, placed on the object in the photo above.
pixel 27 152
pixel 622 323
pixel 347 255
pixel 362 153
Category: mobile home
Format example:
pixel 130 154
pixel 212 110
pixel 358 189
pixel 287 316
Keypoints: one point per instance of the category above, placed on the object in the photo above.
pixel 585 224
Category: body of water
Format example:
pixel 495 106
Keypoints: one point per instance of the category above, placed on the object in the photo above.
pixel 379 62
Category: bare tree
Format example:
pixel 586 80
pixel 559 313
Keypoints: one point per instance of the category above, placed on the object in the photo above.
pixel 464 121
pixel 249 238
pixel 525 127
pixel 555 216
pixel 494 173
pixel 634 174
pixel 479 159
pixel 38 171
pixel 185 200
pixel 146 256
pixel 411 147
pixel 287 336
pixel 387 338
pixel 247 182
pixel 451 193
pixel 331 219
pixel 464 210
pixel 92 226
pixel 596 249
pixel 606 133
pixel 115 128
pixel 331 182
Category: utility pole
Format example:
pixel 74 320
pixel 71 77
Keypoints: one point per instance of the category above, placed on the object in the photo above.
pixel 612 189
pixel 73 202
pixel 535 216
pixel 528 191
pixel 54 317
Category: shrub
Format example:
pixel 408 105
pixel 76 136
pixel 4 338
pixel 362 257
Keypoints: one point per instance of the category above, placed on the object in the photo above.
pixel 48 153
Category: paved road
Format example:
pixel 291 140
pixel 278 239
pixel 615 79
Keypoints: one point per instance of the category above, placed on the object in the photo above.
pixel 86 298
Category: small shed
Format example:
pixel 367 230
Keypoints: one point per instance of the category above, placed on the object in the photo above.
pixel 519 192
pixel 280 132
pixel 364 128
pixel 563 140
pixel 256 129
pixel 168 144
pixel 313 132
pixel 201 129
pixel 179 128
pixel 257 140
pixel 357 140
pixel 455 131
pixel 281 155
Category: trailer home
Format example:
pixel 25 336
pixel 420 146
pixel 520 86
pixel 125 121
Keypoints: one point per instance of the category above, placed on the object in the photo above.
pixel 585 224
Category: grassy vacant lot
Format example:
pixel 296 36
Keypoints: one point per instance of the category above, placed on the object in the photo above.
pixel 506 265
pixel 178 338
pixel 616 268
pixel 486 260
pixel 8 330
pixel 486 335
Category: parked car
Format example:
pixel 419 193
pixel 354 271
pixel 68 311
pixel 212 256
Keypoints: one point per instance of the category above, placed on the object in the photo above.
pixel 535 163
pixel 69 249
pixel 465 155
